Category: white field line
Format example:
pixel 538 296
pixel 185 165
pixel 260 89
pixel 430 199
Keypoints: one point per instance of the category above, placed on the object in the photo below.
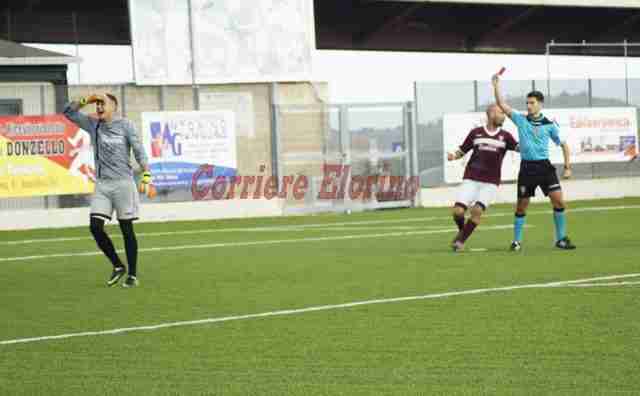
pixel 387 227
pixel 298 311
pixel 305 227
pixel 251 243
pixel 609 284
pixel 302 227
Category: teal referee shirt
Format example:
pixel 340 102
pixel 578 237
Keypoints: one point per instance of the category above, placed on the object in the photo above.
pixel 534 135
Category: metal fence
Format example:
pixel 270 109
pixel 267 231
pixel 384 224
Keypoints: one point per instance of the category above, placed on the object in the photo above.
pixel 364 149
pixel 434 99
pixel 377 140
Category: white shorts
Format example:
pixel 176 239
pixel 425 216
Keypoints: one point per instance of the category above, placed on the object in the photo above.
pixel 472 192
pixel 119 195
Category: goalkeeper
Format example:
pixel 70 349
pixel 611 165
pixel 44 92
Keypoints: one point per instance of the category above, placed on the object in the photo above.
pixel 113 138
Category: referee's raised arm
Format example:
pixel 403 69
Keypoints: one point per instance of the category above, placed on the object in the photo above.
pixel 495 80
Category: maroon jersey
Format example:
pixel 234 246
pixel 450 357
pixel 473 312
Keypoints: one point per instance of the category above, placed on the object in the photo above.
pixel 489 149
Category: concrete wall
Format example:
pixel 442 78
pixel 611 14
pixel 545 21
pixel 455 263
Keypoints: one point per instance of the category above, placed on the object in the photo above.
pixel 254 150
pixel 209 210
pixel 37 98
pixel 150 213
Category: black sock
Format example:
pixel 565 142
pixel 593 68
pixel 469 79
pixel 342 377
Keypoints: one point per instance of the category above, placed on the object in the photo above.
pixel 459 219
pixel 103 241
pixel 130 245
pixel 467 231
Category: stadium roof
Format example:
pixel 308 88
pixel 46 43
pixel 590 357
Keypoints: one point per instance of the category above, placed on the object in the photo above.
pixel 483 26
pixel 552 3
pixel 15 54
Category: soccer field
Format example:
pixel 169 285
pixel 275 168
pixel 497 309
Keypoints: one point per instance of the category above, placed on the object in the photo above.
pixel 367 304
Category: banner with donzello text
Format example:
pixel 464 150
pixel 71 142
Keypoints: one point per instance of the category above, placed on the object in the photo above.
pixel 44 155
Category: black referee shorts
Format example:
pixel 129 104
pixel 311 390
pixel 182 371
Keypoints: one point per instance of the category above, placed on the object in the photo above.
pixel 537 173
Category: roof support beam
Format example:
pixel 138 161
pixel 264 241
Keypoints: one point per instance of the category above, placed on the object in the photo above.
pixel 630 21
pixel 502 28
pixel 390 21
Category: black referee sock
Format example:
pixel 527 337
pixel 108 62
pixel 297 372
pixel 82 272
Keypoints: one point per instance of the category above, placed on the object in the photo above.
pixel 130 245
pixel 103 241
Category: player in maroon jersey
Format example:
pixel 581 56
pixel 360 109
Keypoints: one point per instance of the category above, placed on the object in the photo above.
pixel 482 174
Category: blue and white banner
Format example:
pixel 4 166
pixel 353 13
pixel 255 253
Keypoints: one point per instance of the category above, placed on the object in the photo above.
pixel 178 143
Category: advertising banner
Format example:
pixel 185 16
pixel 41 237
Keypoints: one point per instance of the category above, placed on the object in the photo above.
pixel 179 143
pixel 44 155
pixel 597 134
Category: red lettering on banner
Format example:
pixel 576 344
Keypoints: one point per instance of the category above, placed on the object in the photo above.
pixel 344 178
pixel 235 181
pixel 331 173
pixel 357 187
pixel 300 187
pixel 271 187
pixel 286 182
pixel 219 188
pixel 246 182
pixel 197 193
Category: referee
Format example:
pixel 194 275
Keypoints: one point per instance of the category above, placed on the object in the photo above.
pixel 534 131
pixel 113 138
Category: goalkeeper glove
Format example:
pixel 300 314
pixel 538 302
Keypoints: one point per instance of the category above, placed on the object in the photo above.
pixel 90 99
pixel 146 185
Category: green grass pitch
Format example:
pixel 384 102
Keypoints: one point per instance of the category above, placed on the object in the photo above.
pixel 573 339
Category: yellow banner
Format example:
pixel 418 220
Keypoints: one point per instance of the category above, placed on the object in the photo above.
pixel 44 155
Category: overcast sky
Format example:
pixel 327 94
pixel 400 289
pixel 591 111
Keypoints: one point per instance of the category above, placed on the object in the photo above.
pixel 367 76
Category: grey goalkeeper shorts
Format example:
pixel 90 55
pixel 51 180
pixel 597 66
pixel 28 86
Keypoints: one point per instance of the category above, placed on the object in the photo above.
pixel 120 196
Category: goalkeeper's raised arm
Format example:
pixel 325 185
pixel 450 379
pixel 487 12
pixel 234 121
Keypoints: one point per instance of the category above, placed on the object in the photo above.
pixel 73 114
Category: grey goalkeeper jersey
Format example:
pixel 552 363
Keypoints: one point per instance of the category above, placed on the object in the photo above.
pixel 112 144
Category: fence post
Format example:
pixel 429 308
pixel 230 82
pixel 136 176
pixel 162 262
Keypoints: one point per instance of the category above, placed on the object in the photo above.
pixel 413 150
pixel 275 134
pixel 475 95
pixel 196 97
pixel 626 70
pixel 43 112
pixel 162 97
pixel 123 105
pixel 405 132
pixel 43 108
pixel 414 138
pixel 345 149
